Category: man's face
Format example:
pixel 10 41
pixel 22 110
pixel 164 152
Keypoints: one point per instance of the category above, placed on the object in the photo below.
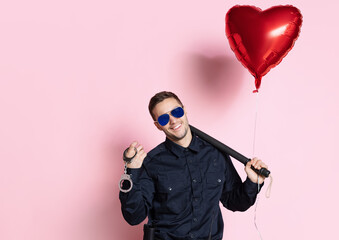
pixel 177 128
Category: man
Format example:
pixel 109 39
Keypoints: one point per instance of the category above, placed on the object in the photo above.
pixel 178 184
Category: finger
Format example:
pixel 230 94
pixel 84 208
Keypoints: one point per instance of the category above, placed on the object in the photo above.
pixel 254 160
pixel 140 152
pixel 251 164
pixel 139 148
pixel 257 164
pixel 131 150
pixel 260 164
pixel 133 145
pixel 130 153
pixel 263 165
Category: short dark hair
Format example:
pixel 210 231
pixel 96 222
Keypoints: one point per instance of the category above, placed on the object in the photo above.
pixel 159 97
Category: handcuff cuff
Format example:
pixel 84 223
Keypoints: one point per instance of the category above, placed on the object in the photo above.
pixel 125 176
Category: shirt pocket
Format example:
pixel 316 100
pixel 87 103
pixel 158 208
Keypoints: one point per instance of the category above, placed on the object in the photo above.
pixel 214 183
pixel 215 178
pixel 172 193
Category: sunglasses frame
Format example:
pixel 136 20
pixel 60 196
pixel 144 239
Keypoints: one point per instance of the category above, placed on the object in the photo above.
pixel 170 113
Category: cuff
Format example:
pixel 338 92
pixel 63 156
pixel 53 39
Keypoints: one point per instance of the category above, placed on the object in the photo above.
pixel 135 173
pixel 253 187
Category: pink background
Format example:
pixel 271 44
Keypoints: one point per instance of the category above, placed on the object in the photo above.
pixel 75 80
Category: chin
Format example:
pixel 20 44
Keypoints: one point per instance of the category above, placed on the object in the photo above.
pixel 179 136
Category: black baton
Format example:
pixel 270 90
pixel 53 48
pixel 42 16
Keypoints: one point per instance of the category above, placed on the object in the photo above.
pixel 225 149
pixel 149 231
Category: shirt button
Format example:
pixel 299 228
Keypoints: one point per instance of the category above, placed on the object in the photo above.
pixel 192 235
pixel 169 188
pixel 219 180
pixel 194 181
pixel 195 219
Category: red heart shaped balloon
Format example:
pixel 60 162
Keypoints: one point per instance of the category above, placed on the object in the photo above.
pixel 261 39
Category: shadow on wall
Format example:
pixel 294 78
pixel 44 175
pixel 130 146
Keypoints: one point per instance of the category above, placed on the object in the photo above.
pixel 215 80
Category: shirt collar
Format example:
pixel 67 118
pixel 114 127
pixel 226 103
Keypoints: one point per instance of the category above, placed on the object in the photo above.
pixel 179 150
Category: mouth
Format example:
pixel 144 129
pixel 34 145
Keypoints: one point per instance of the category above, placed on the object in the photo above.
pixel 176 127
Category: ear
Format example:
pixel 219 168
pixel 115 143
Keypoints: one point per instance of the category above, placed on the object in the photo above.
pixel 158 126
pixel 184 110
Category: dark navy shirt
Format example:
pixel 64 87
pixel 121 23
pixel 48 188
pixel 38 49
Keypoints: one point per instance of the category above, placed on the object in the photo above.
pixel 179 190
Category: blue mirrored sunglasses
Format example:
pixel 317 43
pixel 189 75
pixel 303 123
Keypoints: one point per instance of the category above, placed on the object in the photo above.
pixel 176 112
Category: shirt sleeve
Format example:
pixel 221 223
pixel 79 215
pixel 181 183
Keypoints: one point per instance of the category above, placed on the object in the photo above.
pixel 136 204
pixel 237 195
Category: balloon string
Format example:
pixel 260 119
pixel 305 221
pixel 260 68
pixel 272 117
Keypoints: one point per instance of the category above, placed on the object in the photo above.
pixel 268 191
pixel 253 152
pixel 255 125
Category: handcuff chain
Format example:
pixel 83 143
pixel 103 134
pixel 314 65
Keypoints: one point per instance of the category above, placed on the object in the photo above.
pixel 125 169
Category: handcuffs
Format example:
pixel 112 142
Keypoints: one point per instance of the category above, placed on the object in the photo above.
pixel 125 176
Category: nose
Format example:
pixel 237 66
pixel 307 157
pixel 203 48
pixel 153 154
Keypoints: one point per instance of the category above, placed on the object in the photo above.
pixel 172 119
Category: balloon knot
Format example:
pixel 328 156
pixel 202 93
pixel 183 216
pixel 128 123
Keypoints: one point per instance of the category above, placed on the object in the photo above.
pixel 255 91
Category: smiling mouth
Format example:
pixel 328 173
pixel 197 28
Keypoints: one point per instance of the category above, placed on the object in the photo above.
pixel 176 127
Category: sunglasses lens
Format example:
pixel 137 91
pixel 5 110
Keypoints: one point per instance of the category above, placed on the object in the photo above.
pixel 163 119
pixel 177 112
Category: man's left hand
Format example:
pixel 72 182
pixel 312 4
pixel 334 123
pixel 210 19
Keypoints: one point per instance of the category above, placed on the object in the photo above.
pixel 257 164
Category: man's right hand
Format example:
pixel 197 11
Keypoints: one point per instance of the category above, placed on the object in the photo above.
pixel 139 158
